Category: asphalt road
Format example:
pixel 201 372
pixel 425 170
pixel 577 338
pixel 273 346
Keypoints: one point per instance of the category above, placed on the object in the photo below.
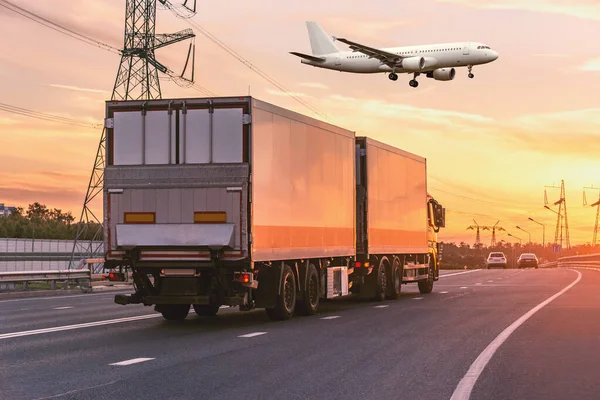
pixel 453 341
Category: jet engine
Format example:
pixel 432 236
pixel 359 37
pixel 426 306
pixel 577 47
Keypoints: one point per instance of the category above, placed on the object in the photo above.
pixel 442 74
pixel 413 63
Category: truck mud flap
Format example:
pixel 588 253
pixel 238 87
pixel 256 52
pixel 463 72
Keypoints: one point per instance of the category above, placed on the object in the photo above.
pixel 269 282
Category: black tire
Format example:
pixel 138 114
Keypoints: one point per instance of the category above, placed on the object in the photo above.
pixel 310 304
pixel 395 281
pixel 426 286
pixel 286 301
pixel 206 310
pixel 381 283
pixel 174 312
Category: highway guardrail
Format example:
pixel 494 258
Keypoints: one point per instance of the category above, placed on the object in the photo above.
pixel 65 276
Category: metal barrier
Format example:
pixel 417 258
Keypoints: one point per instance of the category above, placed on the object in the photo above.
pixel 44 276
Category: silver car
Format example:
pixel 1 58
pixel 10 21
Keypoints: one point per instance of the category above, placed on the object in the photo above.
pixel 496 259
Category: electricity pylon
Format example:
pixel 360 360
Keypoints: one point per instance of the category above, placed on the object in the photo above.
pixel 493 228
pixel 562 221
pixel 137 79
pixel 478 236
pixel 597 205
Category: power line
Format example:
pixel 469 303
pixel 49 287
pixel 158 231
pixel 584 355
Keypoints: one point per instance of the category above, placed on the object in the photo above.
pixel 57 27
pixel 241 59
pixel 91 41
pixel 47 117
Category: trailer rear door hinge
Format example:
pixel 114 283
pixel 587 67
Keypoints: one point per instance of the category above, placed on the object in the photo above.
pixel 246 119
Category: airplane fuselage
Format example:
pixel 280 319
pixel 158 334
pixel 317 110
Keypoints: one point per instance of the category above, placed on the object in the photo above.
pixel 445 55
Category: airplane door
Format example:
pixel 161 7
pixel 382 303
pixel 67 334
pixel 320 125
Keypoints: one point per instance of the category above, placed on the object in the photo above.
pixel 466 49
pixel 338 61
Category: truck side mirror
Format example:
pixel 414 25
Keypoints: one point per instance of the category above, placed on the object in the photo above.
pixel 440 216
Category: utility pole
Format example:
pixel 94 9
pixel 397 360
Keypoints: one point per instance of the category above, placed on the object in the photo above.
pixel 597 205
pixel 137 79
pixel 493 228
pixel 543 235
pixel 478 236
pixel 562 222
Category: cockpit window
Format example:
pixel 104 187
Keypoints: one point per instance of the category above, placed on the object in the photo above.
pixel 483 47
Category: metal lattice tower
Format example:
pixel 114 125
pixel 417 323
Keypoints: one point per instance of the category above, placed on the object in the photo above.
pixel 493 229
pixel 137 79
pixel 478 236
pixel 561 233
pixel 597 205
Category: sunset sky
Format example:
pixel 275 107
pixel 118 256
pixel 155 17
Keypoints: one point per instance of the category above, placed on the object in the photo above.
pixel 492 143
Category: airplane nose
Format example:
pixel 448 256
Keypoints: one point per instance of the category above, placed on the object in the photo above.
pixel 494 55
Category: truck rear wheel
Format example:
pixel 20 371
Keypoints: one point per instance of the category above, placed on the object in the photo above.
pixel 382 281
pixel 286 300
pixel 426 286
pixel 173 312
pixel 206 310
pixel 309 305
pixel 395 280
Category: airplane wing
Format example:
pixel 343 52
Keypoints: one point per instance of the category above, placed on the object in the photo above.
pixel 383 56
pixel 308 57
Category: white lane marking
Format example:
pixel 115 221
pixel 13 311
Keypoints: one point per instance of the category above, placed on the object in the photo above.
pixel 132 361
pixel 331 317
pixel 459 273
pixel 384 306
pixel 478 284
pixel 77 326
pixel 466 384
pixel 417 298
pixel 62 308
pixel 253 334
pixel 464 287
pixel 443 292
pixel 492 281
pixel 44 298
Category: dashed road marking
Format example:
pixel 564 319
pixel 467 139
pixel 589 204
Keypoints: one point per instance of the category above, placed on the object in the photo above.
pixel 62 308
pixel 466 384
pixel 458 273
pixel 464 287
pixel 417 298
pixel 492 281
pixel 478 284
pixel 253 334
pixel 444 292
pixel 132 361
pixel 331 317
pixel 383 306
pixel 77 326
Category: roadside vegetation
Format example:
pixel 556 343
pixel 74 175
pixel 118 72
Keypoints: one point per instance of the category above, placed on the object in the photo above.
pixel 40 222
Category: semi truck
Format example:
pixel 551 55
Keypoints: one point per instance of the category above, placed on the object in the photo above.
pixel 233 201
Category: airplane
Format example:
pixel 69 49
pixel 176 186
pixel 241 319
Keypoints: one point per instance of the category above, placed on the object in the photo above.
pixel 436 61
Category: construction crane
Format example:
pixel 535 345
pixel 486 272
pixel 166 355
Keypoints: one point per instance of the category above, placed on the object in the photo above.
pixel 597 205
pixel 137 79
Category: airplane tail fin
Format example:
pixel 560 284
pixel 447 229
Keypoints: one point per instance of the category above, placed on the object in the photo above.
pixel 320 42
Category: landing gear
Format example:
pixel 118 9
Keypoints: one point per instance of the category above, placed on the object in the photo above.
pixel 470 67
pixel 393 76
pixel 413 82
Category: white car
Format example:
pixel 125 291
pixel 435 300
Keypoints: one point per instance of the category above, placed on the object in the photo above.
pixel 496 259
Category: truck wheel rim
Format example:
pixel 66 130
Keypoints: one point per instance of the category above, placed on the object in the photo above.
pixel 289 293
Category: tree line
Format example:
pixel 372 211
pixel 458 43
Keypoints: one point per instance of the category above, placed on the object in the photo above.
pixel 40 222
